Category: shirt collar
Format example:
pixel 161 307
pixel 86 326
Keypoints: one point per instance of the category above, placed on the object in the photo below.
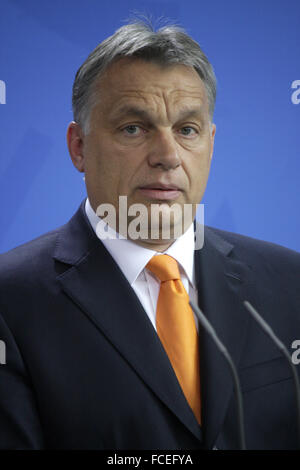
pixel 132 258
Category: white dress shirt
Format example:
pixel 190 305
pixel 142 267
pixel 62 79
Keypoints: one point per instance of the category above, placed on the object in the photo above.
pixel 132 259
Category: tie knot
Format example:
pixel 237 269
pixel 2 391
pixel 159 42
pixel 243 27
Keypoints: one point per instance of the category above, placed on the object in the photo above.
pixel 164 267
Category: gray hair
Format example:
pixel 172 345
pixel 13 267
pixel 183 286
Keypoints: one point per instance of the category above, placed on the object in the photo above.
pixel 169 45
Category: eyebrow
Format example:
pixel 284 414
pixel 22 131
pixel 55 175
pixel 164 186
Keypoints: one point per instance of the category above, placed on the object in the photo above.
pixel 129 110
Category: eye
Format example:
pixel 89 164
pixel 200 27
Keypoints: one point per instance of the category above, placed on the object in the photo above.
pixel 188 131
pixel 132 129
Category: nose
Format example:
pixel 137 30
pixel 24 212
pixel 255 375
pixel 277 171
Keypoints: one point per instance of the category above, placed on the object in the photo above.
pixel 163 151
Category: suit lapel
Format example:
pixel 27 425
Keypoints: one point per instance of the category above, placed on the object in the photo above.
pixel 222 282
pixel 96 284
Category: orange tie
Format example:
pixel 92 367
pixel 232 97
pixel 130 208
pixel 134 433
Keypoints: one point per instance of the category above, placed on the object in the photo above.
pixel 176 328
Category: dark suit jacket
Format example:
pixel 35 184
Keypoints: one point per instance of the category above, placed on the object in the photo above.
pixel 85 369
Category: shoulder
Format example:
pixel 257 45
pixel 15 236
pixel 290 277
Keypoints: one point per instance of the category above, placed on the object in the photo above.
pixel 36 257
pixel 25 253
pixel 255 251
pixel 28 262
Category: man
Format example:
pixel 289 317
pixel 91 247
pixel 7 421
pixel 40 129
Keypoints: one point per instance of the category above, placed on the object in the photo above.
pixel 103 350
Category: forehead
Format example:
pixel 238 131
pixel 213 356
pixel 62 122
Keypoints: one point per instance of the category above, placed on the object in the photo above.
pixel 131 80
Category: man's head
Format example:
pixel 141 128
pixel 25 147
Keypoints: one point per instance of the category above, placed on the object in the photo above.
pixel 143 105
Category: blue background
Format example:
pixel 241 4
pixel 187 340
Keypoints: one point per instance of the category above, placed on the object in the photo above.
pixel 254 47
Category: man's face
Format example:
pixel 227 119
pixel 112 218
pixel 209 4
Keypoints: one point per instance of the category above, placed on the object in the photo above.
pixel 150 136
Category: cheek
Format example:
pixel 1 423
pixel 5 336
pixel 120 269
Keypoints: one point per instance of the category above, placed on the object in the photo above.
pixel 199 163
pixel 198 173
pixel 101 160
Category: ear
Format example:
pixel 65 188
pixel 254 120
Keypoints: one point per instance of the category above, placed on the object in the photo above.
pixel 212 138
pixel 75 138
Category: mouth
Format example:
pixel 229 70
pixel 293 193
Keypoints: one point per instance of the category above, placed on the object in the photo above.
pixel 158 191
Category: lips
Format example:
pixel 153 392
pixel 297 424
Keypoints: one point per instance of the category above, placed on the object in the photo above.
pixel 162 186
pixel 160 191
